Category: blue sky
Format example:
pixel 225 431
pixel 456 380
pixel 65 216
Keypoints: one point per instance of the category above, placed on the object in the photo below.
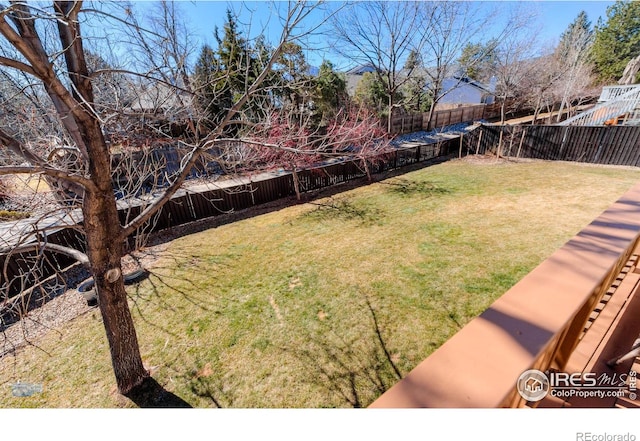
pixel 554 17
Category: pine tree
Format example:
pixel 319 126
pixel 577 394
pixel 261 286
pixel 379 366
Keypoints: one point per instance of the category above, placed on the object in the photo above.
pixel 477 60
pixel 293 72
pixel 330 92
pixel 617 40
pixel 212 95
pixel 372 93
pixel 223 75
pixel 416 98
pixel 576 39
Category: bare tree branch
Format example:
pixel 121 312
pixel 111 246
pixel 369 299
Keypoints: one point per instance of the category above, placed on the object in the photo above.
pixel 71 252
pixel 17 65
pixel 39 165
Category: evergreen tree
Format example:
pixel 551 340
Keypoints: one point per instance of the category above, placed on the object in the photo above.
pixel 617 40
pixel 233 57
pixel 572 61
pixel 416 98
pixel 223 75
pixel 477 60
pixel 372 93
pixel 293 72
pixel 330 92
pixel 211 94
pixel 576 40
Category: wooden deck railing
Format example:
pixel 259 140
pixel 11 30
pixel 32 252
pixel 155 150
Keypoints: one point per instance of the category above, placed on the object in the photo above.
pixel 534 325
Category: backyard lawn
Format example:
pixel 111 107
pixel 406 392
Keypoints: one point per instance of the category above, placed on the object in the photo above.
pixel 327 304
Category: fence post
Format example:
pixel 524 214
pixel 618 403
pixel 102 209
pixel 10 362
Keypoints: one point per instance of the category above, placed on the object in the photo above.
pixel 510 144
pixel 524 133
pixel 460 152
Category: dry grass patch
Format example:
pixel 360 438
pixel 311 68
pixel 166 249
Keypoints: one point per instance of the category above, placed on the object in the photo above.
pixel 327 304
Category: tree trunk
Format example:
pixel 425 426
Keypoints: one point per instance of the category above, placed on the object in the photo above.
pixel 537 111
pixel 296 182
pixel 105 248
pixel 105 261
pixel 431 111
pixel 366 169
pixel 559 118
pixel 550 111
pixel 390 120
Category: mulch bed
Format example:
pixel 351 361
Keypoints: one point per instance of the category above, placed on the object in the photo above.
pixel 25 319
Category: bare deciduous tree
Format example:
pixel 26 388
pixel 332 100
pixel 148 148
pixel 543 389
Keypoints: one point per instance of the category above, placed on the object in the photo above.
pixel 572 55
pixel 381 34
pixel 510 68
pixel 58 66
pixel 538 87
pixel 452 25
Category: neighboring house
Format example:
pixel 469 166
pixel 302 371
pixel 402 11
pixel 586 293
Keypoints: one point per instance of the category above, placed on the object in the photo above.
pixel 354 76
pixel 464 90
pixel 456 89
pixel 160 100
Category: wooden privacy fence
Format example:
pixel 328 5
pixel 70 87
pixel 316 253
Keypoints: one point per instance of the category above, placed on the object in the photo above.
pixel 190 205
pixel 619 145
pixel 614 145
pixel 414 122
pixel 23 270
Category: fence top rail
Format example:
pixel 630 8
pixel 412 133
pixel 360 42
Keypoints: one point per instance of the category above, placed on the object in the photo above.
pixel 479 366
pixel 13 232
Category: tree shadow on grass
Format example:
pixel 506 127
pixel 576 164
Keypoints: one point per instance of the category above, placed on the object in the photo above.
pixel 352 370
pixel 212 389
pixel 150 394
pixel 345 209
pixel 409 187
pixel 162 283
pixel 174 232
pixel 355 370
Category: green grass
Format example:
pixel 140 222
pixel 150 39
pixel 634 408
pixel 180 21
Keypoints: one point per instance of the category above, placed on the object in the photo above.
pixel 326 304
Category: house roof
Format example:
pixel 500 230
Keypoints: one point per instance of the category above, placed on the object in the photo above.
pixel 159 96
pixel 466 80
pixel 361 69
